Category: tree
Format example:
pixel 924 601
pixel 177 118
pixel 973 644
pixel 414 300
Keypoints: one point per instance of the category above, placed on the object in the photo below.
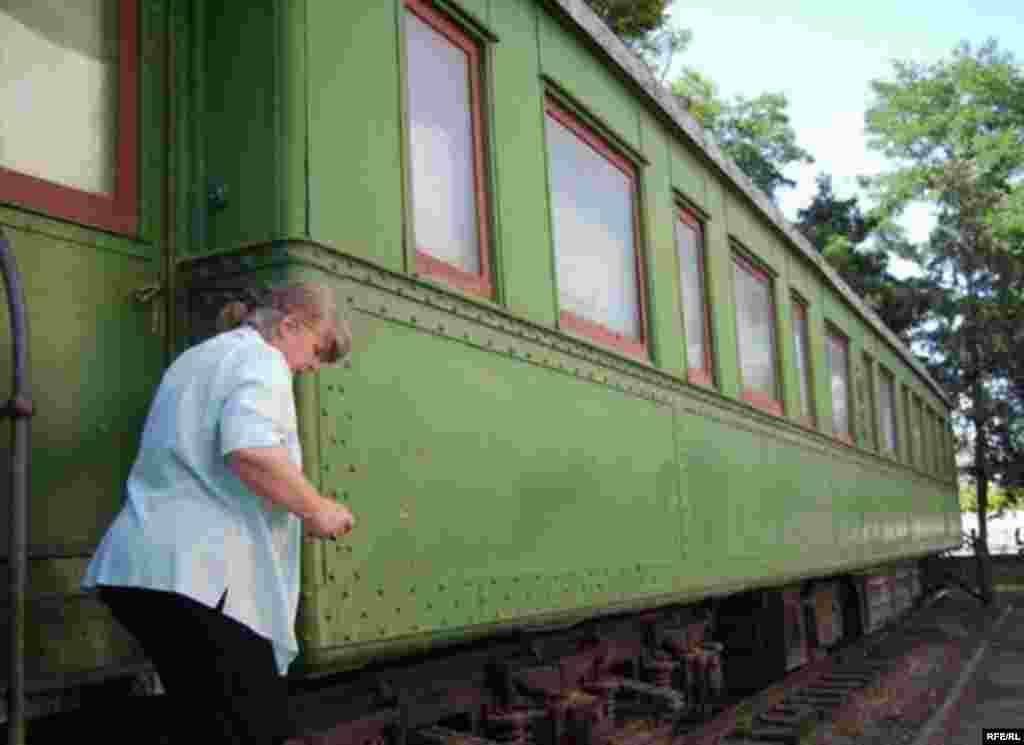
pixel 754 132
pixel 858 247
pixel 999 499
pixel 955 133
pixel 632 20
pixel 643 27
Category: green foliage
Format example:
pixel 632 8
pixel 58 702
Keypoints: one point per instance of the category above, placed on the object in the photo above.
pixel 755 132
pixel 632 20
pixel 659 49
pixel 955 131
pixel 841 232
pixel 998 498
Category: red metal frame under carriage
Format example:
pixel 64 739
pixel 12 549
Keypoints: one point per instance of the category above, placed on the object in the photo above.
pixel 635 347
pixel 426 263
pixel 117 212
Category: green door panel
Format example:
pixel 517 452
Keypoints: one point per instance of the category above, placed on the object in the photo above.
pixel 84 323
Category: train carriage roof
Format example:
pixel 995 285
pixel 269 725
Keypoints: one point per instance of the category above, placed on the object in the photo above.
pixel 589 22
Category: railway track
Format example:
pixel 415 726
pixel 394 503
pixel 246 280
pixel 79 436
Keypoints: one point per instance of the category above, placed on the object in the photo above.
pixel 616 694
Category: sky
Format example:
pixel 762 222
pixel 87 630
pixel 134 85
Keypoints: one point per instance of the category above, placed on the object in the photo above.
pixel 823 54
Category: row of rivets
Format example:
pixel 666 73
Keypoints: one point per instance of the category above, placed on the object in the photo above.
pixel 564 348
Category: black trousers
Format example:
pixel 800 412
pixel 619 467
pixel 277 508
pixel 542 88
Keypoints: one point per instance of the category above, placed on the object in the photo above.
pixel 221 677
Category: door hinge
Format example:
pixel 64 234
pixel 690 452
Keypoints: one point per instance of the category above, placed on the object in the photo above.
pixel 151 295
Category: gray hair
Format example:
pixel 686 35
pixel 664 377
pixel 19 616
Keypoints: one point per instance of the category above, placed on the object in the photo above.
pixel 311 302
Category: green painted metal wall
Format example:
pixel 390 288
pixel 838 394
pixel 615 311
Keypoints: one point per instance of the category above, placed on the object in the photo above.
pixel 472 464
pixel 96 354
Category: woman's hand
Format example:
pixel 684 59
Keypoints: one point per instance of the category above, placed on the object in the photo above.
pixel 331 520
pixel 270 474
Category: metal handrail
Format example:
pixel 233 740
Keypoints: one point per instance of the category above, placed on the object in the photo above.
pixel 20 410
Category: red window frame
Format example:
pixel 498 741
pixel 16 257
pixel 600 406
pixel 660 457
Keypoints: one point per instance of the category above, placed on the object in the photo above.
pixel 831 332
pixel 917 427
pixel 933 441
pixel 800 314
pixel 756 398
pixel 874 440
pixel 908 420
pixel 117 212
pixel 886 378
pixel 475 284
pixel 705 374
pixel 636 347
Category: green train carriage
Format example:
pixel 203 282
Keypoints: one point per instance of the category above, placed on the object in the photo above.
pixel 595 370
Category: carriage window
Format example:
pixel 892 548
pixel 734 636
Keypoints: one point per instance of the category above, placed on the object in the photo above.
pixel 67 93
pixel 838 354
pixel 870 422
pixel 908 420
pixel 887 411
pixel 950 448
pixel 918 429
pixel 926 438
pixel 690 248
pixel 802 346
pixel 935 437
pixel 449 203
pixel 755 332
pixel 593 215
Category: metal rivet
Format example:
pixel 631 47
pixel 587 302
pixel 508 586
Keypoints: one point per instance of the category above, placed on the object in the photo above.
pixel 380 592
